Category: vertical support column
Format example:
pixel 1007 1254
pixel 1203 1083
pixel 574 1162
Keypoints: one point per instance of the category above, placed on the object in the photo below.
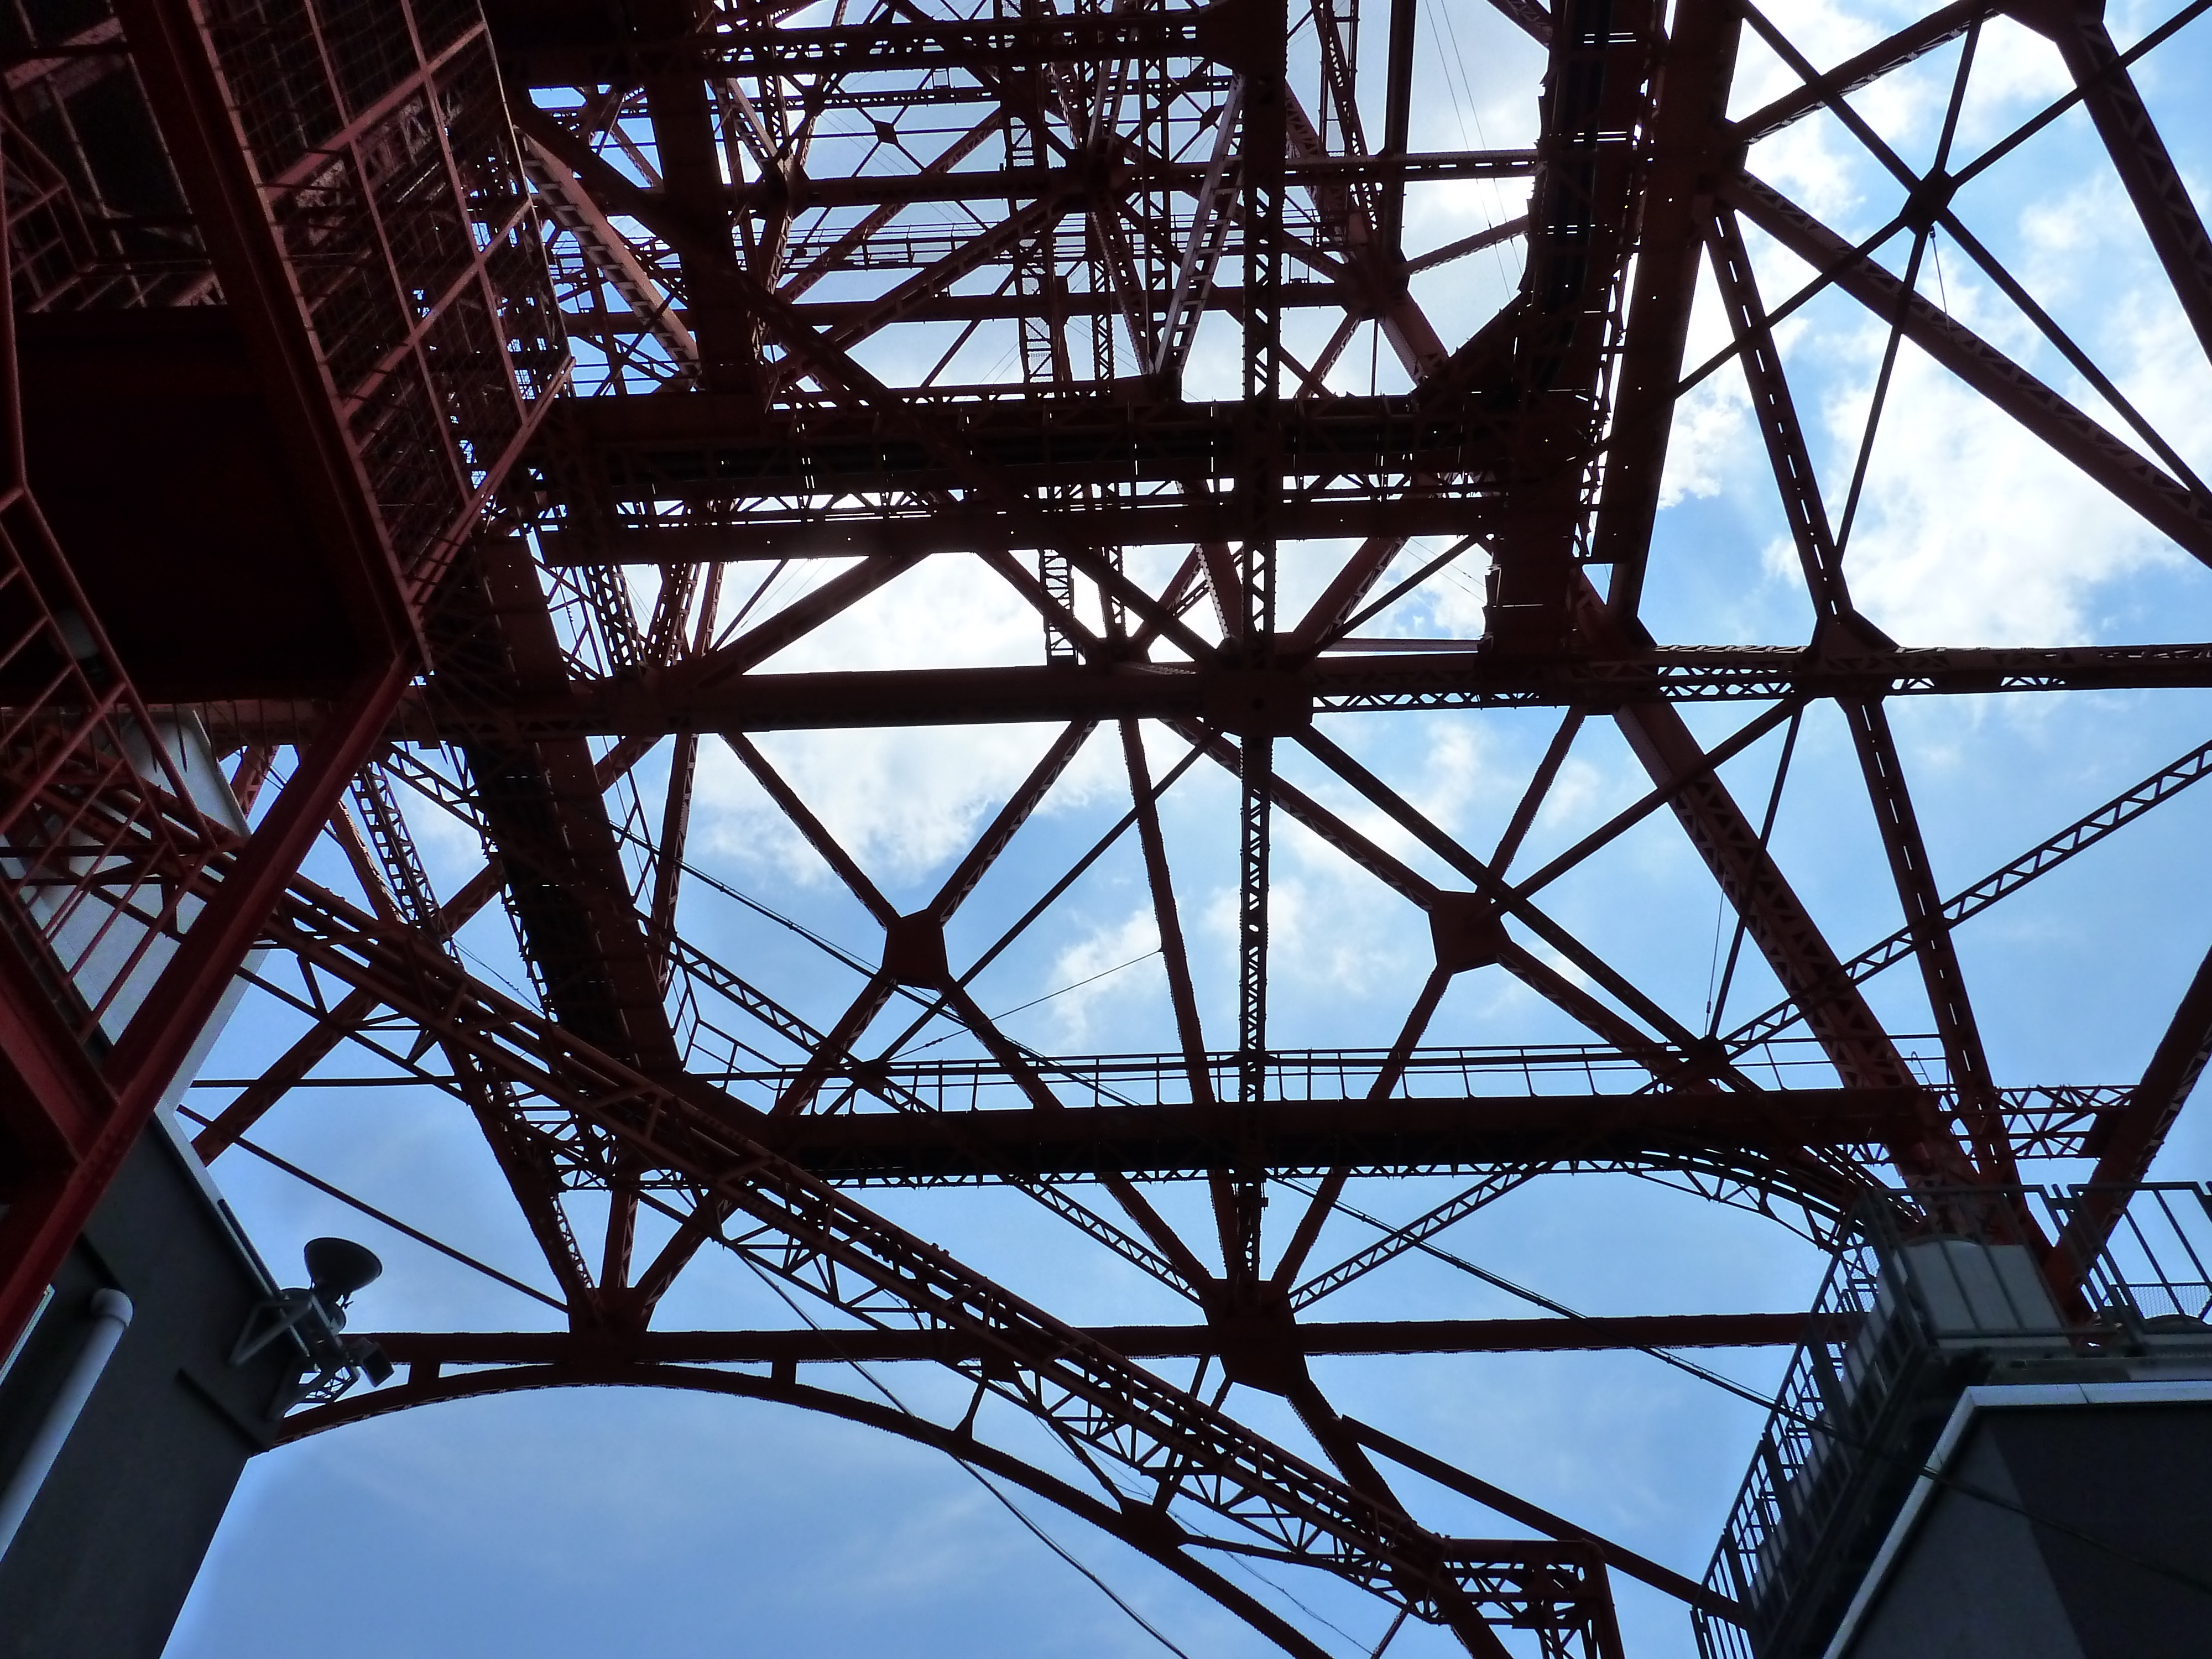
pixel 1397 128
pixel 1259 487
pixel 1697 64
pixel 1595 111
pixel 687 136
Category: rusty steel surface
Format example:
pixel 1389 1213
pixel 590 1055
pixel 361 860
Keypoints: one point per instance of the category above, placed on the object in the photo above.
pixel 560 428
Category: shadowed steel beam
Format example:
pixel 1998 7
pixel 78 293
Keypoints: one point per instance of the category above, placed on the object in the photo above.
pixel 825 1245
pixel 571 207
pixel 1697 64
pixel 2139 156
pixel 721 695
pixel 1915 40
pixel 1372 1136
pixel 576 46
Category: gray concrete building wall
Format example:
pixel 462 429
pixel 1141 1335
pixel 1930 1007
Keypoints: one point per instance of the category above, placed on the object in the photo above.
pixel 2111 1560
pixel 109 1549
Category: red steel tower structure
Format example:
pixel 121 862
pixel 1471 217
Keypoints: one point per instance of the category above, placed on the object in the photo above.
pixel 510 400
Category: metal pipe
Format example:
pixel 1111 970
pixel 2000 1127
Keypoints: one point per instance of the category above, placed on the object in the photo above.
pixel 111 1315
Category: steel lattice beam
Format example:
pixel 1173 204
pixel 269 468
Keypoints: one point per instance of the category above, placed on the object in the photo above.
pixel 761 234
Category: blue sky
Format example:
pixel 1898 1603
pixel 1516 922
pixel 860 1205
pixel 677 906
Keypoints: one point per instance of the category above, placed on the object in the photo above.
pixel 667 1525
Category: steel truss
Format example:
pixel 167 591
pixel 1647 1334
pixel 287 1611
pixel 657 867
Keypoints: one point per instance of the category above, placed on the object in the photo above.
pixel 618 359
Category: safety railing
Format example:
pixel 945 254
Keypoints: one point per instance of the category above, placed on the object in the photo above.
pixel 377 132
pixel 100 832
pixel 1929 1290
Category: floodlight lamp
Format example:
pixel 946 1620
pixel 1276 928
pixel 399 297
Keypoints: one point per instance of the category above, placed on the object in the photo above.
pixel 337 1267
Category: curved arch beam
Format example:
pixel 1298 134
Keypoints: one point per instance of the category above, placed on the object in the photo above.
pixel 1152 1533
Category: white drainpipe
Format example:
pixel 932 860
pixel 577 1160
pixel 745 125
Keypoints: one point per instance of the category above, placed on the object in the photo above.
pixel 111 1314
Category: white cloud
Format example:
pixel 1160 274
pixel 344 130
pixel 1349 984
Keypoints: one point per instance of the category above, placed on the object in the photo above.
pixel 1712 442
pixel 1094 957
pixel 1973 533
pixel 1972 530
pixel 2016 71
pixel 901 801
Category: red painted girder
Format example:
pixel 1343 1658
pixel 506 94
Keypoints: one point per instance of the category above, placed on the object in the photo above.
pixel 2166 506
pixel 580 46
pixel 1426 506
pixel 1393 872
pixel 52 1098
pixel 1774 918
pixel 1090 1392
pixel 1375 282
pixel 169 1019
pixel 835 258
pixel 529 1175
pixel 892 416
pixel 1130 175
pixel 1324 621
pixel 1754 885
pixel 1490 900
pixel 2139 156
pixel 1941 976
pixel 1915 40
pixel 1167 916
pixel 1120 433
pixel 1322 1203
pixel 1760 358
pixel 188 103
pixel 40 1225
pixel 1532 17
pixel 571 207
pixel 876 1082
pixel 348 1013
pixel 535 1183
pixel 688 147
pixel 1581 214
pixel 1226 298
pixel 1839 625
pixel 1621 1559
pixel 1696 66
pixel 547 807
pixel 1342 1449
pixel 668 853
pixel 710 697
pixel 1007 823
pixel 1425 1132
pixel 1380 683
pixel 2044 856
pixel 920 289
